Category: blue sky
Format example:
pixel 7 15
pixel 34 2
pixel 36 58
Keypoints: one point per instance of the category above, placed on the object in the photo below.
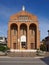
pixel 40 8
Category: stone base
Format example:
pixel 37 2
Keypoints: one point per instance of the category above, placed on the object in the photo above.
pixel 15 50
pixel 22 53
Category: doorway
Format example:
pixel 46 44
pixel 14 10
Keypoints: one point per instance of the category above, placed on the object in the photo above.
pixel 14 45
pixel 23 44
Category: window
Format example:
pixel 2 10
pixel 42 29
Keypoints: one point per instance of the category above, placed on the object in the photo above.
pixel 33 32
pixel 1 38
pixel 14 30
pixel 23 32
pixel 32 45
pixel 23 17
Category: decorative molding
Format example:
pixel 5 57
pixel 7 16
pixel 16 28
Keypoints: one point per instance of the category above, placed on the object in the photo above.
pixel 21 20
pixel 17 50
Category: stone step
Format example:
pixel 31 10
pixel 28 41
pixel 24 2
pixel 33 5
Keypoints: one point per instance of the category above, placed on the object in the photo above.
pixel 22 54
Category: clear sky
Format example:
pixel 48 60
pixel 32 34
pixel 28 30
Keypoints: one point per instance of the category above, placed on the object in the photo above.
pixel 40 8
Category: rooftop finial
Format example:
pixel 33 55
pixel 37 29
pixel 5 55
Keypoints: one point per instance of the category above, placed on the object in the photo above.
pixel 23 8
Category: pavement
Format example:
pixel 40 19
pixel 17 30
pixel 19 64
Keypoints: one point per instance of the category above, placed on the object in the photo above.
pixel 38 60
pixel 5 60
pixel 21 57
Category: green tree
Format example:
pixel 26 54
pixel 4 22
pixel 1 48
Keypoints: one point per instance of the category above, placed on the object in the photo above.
pixel 3 48
pixel 43 47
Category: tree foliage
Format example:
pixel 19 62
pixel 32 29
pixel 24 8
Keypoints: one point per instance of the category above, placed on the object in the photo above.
pixel 3 48
pixel 43 47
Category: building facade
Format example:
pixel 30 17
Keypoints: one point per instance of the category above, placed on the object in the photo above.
pixel 23 31
pixel 46 42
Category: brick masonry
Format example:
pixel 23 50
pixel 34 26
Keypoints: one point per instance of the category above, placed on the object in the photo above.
pixel 23 23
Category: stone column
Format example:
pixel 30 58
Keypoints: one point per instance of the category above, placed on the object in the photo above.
pixel 18 37
pixel 28 40
pixel 8 37
pixel 38 38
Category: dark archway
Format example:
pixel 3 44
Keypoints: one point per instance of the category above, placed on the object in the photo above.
pixel 23 28
pixel 33 35
pixel 23 34
pixel 14 27
pixel 14 35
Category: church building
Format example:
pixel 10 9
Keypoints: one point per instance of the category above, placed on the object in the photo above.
pixel 23 31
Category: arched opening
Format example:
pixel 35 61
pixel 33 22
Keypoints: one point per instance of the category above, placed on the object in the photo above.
pixel 23 36
pixel 23 29
pixel 14 35
pixel 14 28
pixel 33 36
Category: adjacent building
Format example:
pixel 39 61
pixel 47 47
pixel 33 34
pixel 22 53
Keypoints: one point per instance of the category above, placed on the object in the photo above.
pixel 3 40
pixel 46 41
